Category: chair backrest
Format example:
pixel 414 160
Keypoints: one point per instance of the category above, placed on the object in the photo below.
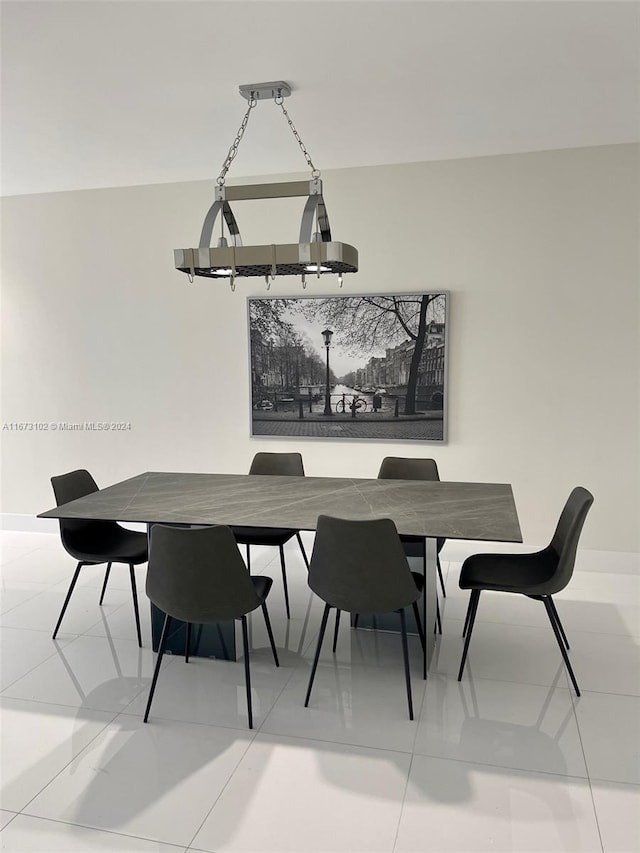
pixel 198 575
pixel 399 468
pixel 78 533
pixel 360 566
pixel 284 464
pixel 564 543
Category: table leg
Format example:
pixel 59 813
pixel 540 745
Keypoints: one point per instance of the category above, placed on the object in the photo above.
pixel 426 604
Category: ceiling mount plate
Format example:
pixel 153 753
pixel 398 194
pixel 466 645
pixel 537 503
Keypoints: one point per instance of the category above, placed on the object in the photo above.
pixel 260 91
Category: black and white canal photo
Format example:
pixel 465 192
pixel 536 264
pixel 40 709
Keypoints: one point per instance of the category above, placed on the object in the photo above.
pixel 364 367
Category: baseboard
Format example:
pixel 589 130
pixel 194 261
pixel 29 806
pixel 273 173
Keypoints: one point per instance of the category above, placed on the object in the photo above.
pixel 587 560
pixel 23 523
pixel 454 551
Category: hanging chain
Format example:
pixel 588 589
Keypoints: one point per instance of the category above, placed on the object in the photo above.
pixel 279 100
pixel 315 173
pixel 236 142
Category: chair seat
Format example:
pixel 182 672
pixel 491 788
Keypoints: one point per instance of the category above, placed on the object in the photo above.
pixel 114 545
pixel 262 584
pixel 523 573
pixel 262 535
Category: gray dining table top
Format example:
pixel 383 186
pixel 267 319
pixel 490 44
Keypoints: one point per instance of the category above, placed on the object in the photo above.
pixel 482 511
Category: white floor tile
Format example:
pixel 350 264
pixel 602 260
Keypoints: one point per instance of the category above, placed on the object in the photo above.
pixel 522 726
pixel 507 749
pixel 5 818
pixel 599 616
pixel 23 650
pixel 24 539
pixel 605 586
pixel 155 781
pixel 42 565
pixel 364 647
pixel 37 742
pixel 213 692
pixel 14 593
pixel 618 812
pixel 90 672
pixel 501 652
pixel 291 795
pixel 36 835
pixel 365 706
pixel 460 807
pixel 41 612
pixel 295 636
pixel 118 621
pixel 610 730
pixel 606 663
pixel 8 553
pixel 608 562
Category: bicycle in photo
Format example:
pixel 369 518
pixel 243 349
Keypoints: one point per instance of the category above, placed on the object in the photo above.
pixel 347 404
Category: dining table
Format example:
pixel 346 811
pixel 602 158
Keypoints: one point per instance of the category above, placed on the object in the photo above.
pixel 429 509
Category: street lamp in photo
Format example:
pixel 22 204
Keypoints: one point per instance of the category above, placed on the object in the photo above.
pixel 327 335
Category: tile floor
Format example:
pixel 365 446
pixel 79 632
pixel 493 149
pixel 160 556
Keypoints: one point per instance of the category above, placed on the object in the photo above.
pixel 507 760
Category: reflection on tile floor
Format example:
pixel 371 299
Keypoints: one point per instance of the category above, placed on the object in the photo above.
pixel 508 759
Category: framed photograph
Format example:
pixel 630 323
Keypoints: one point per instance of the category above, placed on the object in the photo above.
pixel 351 367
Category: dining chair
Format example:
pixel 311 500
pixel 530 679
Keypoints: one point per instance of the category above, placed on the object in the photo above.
pixel 400 468
pixel 197 575
pixel 361 567
pixel 539 575
pixel 282 464
pixel 93 543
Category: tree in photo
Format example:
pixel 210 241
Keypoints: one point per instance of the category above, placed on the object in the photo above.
pixel 365 323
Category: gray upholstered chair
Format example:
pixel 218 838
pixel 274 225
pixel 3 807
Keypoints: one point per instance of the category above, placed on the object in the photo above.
pixel 361 567
pixel 95 542
pixel 198 575
pixel 399 468
pixel 538 576
pixel 282 464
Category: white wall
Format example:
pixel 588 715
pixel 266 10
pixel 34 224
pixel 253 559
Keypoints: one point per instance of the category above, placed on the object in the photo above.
pixel 539 252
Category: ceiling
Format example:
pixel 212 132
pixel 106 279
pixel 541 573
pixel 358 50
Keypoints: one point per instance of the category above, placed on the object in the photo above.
pixel 100 94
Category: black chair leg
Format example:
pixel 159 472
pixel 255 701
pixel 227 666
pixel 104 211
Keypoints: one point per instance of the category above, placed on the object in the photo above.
pixel 549 608
pixel 66 601
pixel 323 628
pixel 304 553
pixel 471 618
pixel 416 614
pixel 156 671
pixel 336 629
pixel 405 654
pixel 134 593
pixel 267 622
pixel 466 618
pixel 248 557
pixel 558 622
pixel 284 581
pixel 444 592
pixel 247 670
pixel 104 585
pixel 187 643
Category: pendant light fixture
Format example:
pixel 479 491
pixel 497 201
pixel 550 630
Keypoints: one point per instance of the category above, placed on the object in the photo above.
pixel 315 253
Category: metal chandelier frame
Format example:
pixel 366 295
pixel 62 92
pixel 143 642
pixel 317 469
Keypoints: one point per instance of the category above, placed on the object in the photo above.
pixel 315 252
